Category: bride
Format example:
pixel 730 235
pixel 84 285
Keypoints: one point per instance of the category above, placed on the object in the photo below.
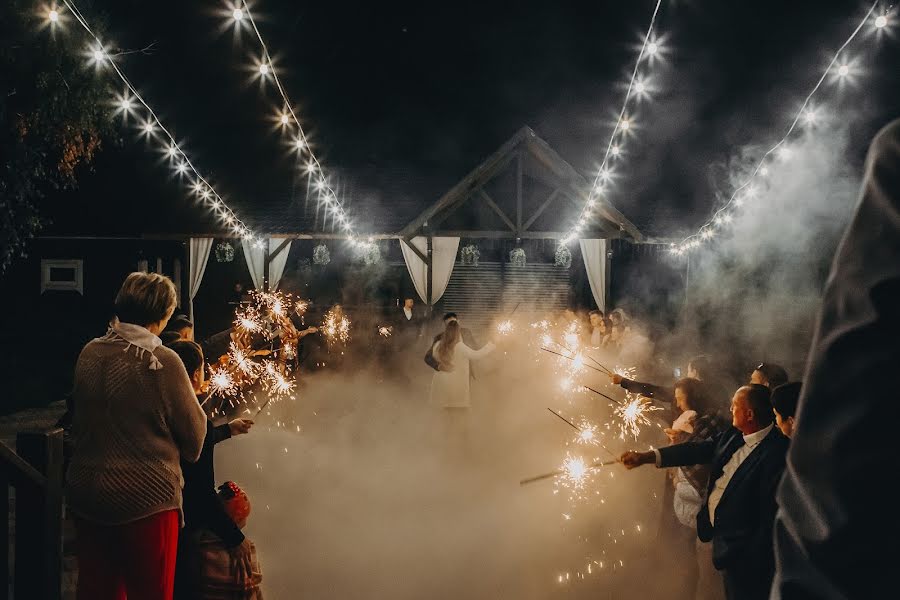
pixel 450 386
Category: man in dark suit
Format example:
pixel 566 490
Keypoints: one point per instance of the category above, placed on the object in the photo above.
pixel 467 338
pixel 746 462
pixel 836 520
pixel 409 324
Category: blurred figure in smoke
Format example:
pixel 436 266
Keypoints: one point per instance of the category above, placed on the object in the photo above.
pixel 746 463
pixel 834 517
pixel 467 338
pixel 784 403
pixel 408 322
pixel 769 375
pixel 450 385
pixel 598 328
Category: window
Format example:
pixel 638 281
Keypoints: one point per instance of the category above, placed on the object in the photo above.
pixel 59 275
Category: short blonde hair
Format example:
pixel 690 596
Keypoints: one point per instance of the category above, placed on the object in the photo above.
pixel 145 298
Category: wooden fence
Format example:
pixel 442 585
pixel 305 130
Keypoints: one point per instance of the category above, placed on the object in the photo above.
pixel 35 470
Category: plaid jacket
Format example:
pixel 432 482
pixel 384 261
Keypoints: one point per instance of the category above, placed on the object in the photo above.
pixel 706 427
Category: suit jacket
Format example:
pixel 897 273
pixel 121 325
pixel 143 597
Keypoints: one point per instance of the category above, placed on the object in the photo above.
pixel 835 516
pixel 467 338
pixel 742 533
pixel 408 330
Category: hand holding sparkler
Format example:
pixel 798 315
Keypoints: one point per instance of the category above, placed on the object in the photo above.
pixel 632 459
pixel 615 378
pixel 240 426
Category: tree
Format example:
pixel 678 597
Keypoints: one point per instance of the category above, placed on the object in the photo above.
pixel 53 114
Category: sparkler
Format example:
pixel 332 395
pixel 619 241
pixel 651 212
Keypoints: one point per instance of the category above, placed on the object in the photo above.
pixel 385 331
pixel 573 468
pixel 634 414
pixel 505 327
pixel 610 398
pixel 571 358
pixel 585 434
pixel 336 326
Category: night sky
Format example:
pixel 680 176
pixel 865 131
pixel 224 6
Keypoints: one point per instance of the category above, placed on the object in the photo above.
pixel 402 99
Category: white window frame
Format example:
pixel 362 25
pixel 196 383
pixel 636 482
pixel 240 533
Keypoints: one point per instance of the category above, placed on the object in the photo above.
pixel 76 284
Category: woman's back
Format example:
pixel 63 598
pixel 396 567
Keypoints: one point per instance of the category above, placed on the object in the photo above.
pixel 132 423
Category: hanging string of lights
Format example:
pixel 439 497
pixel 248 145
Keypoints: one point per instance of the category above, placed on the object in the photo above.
pixel 840 68
pixel 637 89
pixel 241 16
pixel 131 102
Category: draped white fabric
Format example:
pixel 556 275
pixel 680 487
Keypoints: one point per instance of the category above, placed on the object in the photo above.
pixel 594 254
pixel 256 262
pixel 198 255
pixel 443 257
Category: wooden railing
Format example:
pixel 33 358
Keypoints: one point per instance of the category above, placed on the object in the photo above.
pixel 35 470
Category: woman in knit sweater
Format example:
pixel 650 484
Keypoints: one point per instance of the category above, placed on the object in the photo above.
pixel 135 418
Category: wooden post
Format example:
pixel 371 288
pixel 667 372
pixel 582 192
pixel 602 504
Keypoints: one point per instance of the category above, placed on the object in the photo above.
pixel 266 261
pixel 4 535
pixel 429 271
pixel 519 182
pixel 39 550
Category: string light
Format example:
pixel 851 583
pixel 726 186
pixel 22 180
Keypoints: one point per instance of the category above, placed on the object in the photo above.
pixel 807 113
pixel 53 15
pixel 152 125
pixel 650 47
pixel 242 15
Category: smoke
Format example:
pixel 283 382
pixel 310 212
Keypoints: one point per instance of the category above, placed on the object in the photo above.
pixel 374 497
pixel 753 291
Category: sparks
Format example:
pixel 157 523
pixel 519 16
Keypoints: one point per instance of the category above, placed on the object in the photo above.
pixel 385 331
pixel 634 415
pixel 505 327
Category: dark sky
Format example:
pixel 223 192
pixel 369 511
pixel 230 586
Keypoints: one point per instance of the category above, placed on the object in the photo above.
pixel 402 99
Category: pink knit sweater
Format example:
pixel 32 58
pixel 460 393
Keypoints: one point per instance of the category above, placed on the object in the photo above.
pixel 131 426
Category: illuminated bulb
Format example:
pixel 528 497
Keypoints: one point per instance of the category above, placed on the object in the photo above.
pixel 125 104
pixel 718 221
pixel 615 150
pixel 149 127
pixel 727 218
pixel 764 171
pixel 738 202
pixel 591 203
pixel 238 14
pixel 652 48
pixel 284 119
pixel 843 70
pixel 784 152
pixel 172 151
pixel 99 55
pixel 810 117
pixel 320 185
pixel 263 69
pixel 605 175
pixel 300 143
pixel 181 168
pixel 639 87
pixel 706 234
pixel 53 16
pixel 625 125
pixel 881 21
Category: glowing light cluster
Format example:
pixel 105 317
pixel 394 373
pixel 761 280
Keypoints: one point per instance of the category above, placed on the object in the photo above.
pixel 840 69
pixel 639 88
pixel 634 414
pixel 241 17
pixel 130 103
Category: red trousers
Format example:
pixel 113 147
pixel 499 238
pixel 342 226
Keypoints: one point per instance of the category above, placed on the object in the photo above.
pixel 134 561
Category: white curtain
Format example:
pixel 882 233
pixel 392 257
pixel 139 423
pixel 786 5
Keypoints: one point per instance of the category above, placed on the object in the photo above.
pixel 198 256
pixel 594 254
pixel 256 262
pixel 443 257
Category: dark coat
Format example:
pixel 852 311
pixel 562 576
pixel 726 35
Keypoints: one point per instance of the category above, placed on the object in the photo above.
pixel 202 507
pixel 742 533
pixel 837 521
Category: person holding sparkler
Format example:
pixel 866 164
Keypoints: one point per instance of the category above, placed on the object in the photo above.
pixel 202 509
pixel 746 464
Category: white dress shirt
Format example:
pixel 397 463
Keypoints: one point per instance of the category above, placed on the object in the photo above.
pixel 750 443
pixel 596 337
pixel 408 313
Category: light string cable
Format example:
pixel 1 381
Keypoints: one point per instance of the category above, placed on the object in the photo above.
pixel 621 129
pixel 313 167
pixel 722 217
pixel 201 185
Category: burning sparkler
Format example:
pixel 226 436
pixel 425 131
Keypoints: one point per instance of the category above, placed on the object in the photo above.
pixel 385 331
pixel 634 415
pixel 336 326
pixel 505 327
pixel 221 382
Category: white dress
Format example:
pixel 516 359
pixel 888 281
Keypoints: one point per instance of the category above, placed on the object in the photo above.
pixel 450 389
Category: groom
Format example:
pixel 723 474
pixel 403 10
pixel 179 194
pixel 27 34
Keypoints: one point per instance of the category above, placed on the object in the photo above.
pixel 467 338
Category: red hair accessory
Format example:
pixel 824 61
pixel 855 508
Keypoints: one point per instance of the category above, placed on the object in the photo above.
pixel 236 502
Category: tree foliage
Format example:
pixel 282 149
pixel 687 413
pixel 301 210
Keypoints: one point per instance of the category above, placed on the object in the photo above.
pixel 54 113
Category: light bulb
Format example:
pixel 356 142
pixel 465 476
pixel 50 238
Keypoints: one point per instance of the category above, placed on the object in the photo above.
pixel 263 69
pixel 237 14
pixel 53 16
pixel 625 125
pixel 615 150
pixel 284 119
pixel 880 21
pixel 639 87
pixel 652 48
pixel 843 70
pixel 99 55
